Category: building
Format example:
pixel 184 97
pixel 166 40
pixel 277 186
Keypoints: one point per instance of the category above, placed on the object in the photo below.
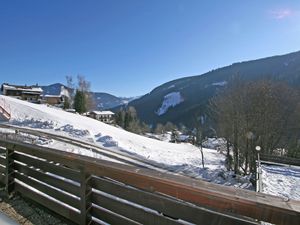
pixel 53 99
pixel 27 93
pixel 103 116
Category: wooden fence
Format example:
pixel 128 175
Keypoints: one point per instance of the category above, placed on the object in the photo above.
pixel 280 159
pixel 86 191
pixel 5 109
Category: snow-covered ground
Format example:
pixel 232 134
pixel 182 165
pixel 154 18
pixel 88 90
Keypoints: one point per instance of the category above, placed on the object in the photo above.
pixel 184 158
pixel 283 181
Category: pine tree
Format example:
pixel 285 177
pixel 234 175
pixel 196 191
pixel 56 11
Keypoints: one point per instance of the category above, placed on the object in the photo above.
pixel 80 102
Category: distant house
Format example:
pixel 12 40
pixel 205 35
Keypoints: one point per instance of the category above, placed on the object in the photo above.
pixel 103 116
pixel 27 93
pixel 53 99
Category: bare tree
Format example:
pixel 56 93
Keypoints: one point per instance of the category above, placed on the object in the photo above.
pixel 254 113
pixel 81 96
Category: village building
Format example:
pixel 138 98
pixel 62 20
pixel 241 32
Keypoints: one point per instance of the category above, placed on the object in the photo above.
pixel 27 93
pixel 53 99
pixel 103 116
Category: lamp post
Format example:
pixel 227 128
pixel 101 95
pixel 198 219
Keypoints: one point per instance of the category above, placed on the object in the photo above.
pixel 258 171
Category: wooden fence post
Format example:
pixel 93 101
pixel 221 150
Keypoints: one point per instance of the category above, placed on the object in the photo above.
pixel 9 178
pixel 85 198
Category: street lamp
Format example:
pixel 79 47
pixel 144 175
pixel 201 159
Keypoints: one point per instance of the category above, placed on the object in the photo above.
pixel 258 148
pixel 259 171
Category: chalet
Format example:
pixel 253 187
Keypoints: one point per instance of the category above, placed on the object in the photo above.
pixel 53 99
pixel 27 93
pixel 103 116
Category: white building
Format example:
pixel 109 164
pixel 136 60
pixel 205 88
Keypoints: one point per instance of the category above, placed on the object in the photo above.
pixel 103 116
pixel 27 93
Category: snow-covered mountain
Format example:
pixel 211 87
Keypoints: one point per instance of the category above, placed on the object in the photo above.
pixel 193 93
pixel 106 101
pixel 102 100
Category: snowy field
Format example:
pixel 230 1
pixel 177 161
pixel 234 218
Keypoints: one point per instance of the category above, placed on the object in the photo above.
pixel 180 158
pixel 283 181
pixel 184 158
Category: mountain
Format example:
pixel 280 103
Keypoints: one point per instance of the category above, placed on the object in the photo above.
pixel 102 100
pixel 53 89
pixel 179 100
pixel 107 101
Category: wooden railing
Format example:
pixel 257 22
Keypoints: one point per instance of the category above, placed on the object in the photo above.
pixel 5 109
pixel 86 190
pixel 280 159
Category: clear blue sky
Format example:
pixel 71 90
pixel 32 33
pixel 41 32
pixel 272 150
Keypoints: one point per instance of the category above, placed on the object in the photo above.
pixel 127 48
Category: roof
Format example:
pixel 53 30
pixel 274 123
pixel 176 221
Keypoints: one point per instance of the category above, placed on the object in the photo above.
pixel 22 88
pixel 52 96
pixel 103 112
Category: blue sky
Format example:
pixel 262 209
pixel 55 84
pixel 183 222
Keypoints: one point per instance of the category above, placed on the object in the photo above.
pixel 127 48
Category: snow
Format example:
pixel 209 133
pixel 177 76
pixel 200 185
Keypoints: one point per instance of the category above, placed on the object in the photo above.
pixel 103 112
pixel 180 158
pixel 22 88
pixel 171 86
pixel 64 92
pixel 170 100
pixel 283 181
pixel 221 83
pixel 214 143
pixel 55 90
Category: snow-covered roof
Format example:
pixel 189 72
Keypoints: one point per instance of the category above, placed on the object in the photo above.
pixel 103 112
pixel 22 88
pixel 52 96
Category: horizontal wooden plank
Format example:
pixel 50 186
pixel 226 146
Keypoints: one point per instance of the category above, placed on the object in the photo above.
pixel 56 194
pixel 2 178
pixel 226 199
pixel 48 203
pixel 2 169
pixel 165 205
pixel 65 158
pixel 2 147
pixel 47 167
pixel 258 206
pixel 3 160
pixel 51 180
pixel 129 211
pixel 110 217
pixel 280 159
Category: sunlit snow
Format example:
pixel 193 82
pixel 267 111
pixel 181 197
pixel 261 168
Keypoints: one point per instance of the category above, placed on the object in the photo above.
pixel 170 100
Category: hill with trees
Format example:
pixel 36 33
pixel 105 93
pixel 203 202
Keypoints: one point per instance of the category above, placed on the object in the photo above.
pixel 185 100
